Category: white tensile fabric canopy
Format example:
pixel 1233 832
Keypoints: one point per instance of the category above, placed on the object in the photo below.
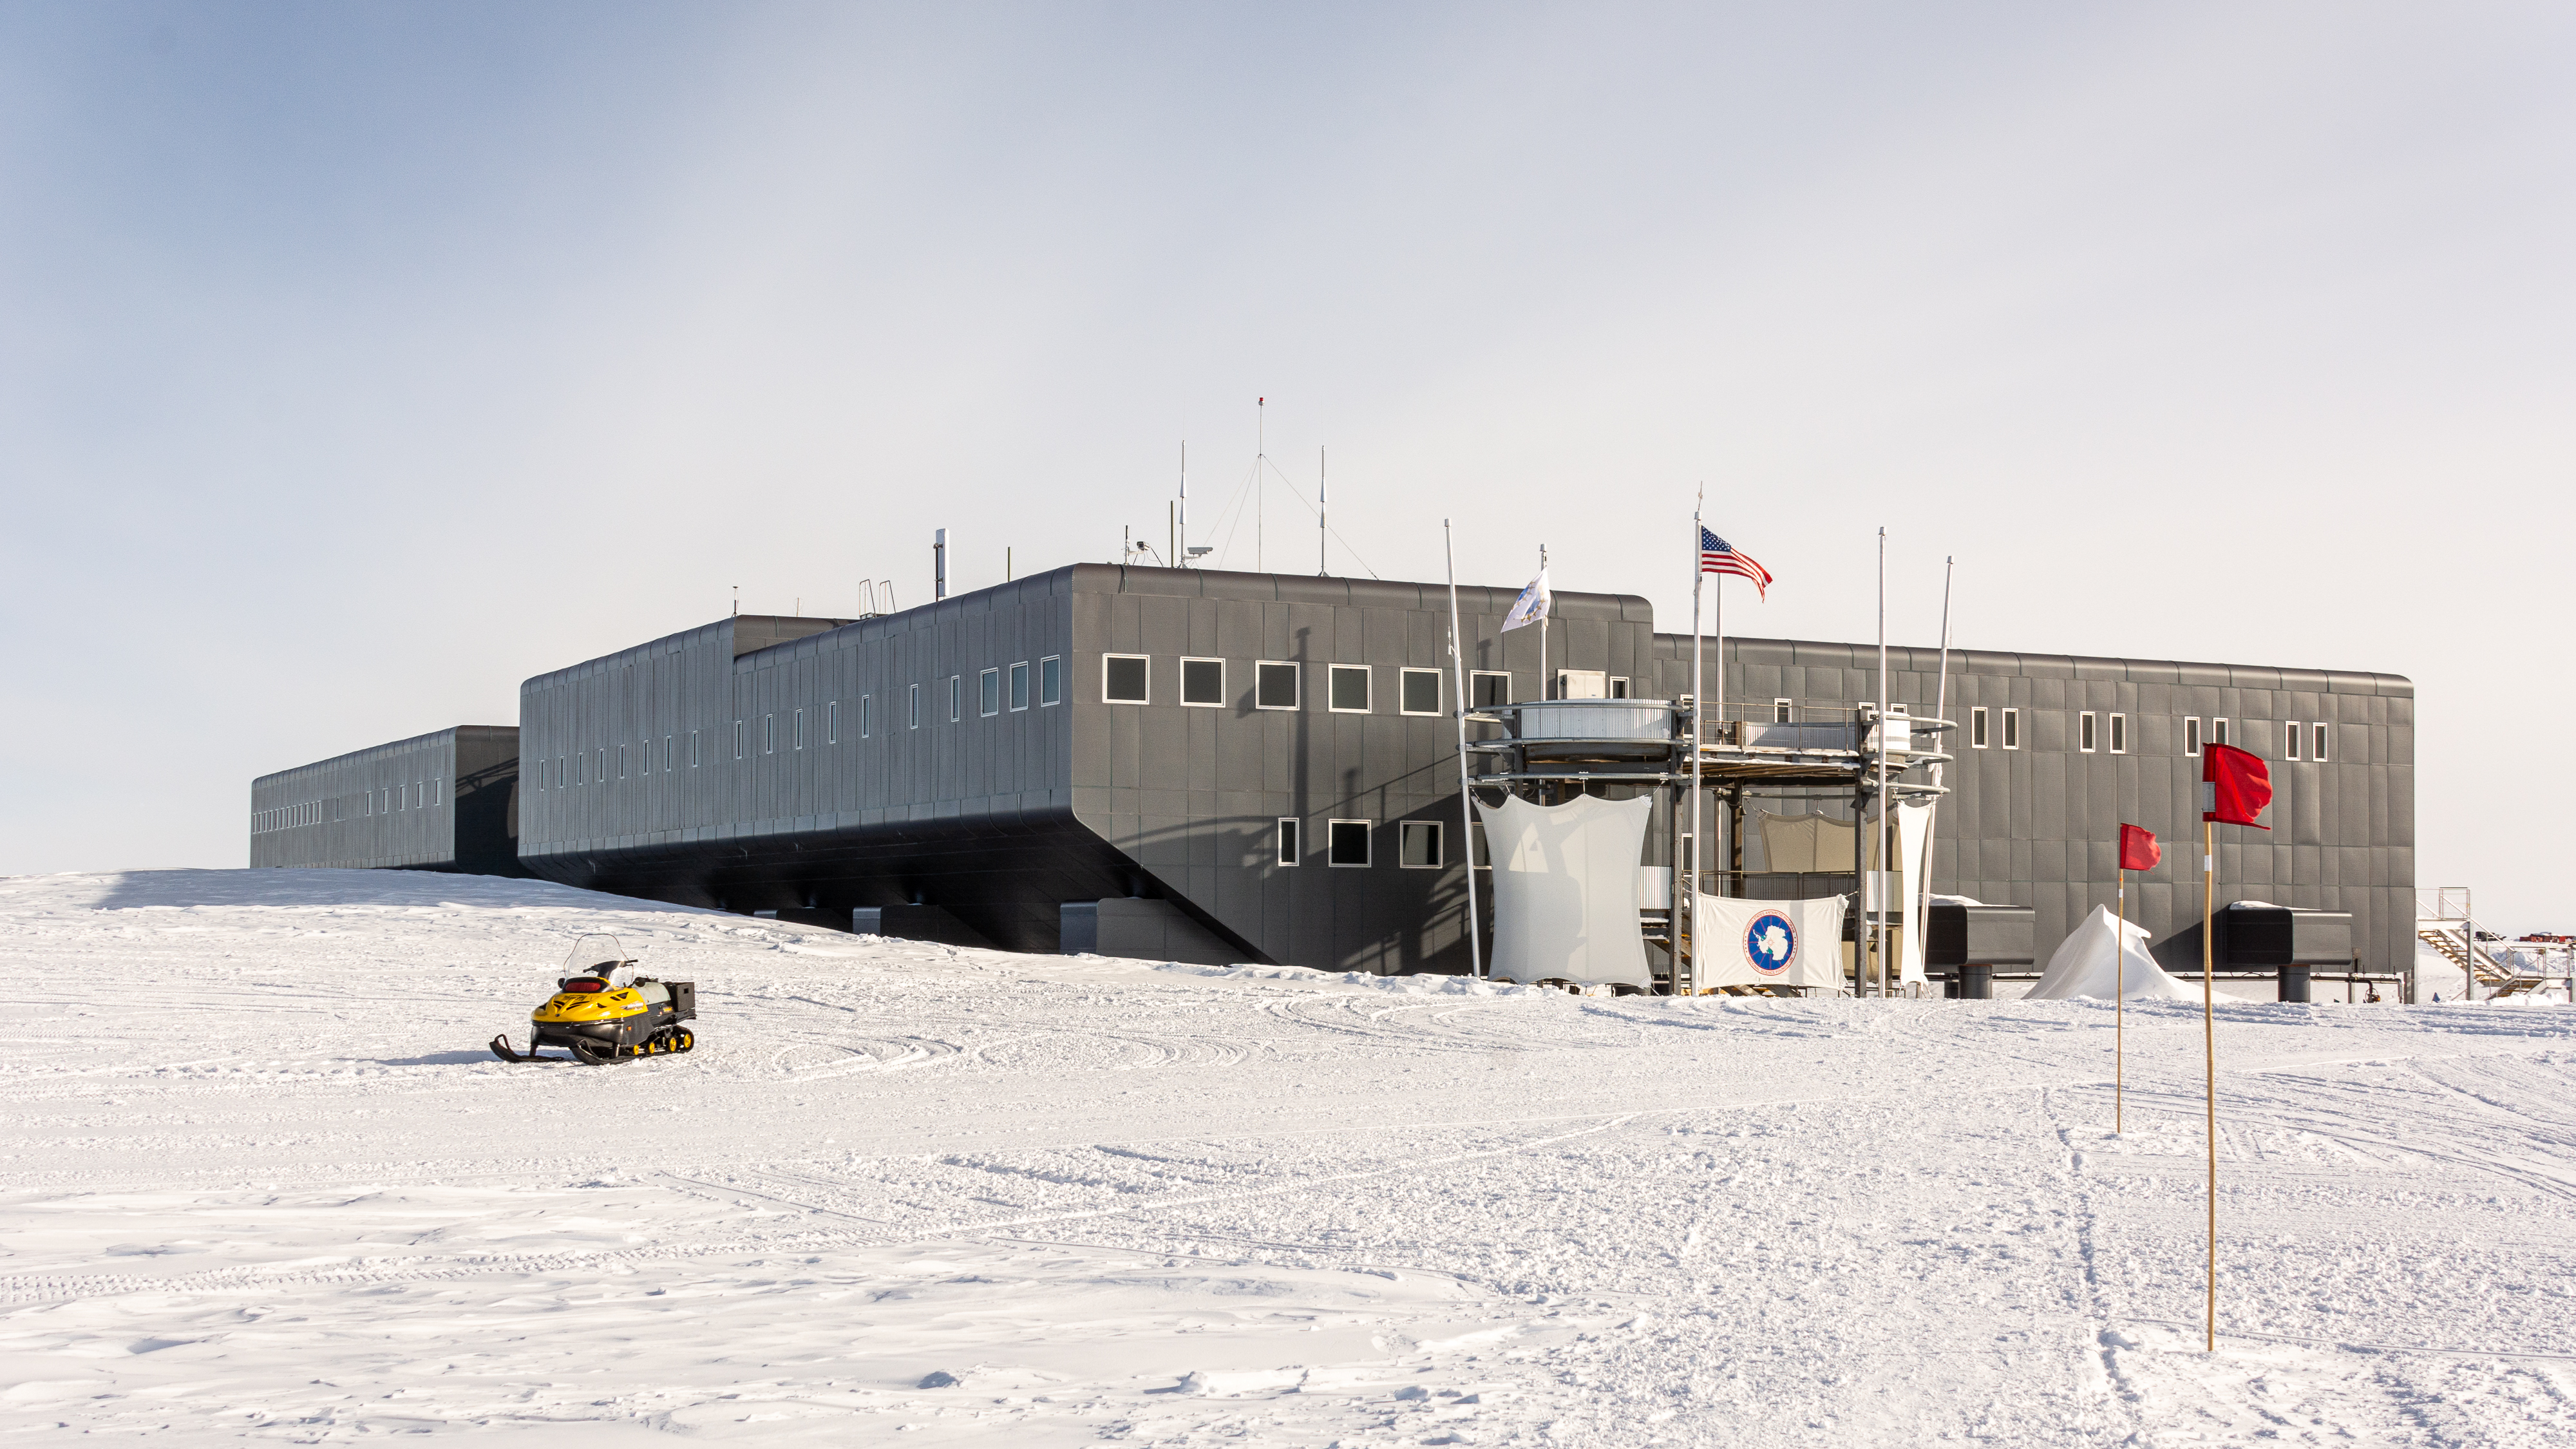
pixel 1769 943
pixel 1565 889
pixel 1823 845
pixel 2087 963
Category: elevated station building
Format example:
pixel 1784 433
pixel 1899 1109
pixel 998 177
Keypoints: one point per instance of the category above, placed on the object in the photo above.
pixel 1205 765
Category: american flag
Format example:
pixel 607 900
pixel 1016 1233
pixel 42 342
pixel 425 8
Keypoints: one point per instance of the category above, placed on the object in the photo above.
pixel 1717 556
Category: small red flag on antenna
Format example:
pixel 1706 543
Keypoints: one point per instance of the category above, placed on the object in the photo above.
pixel 2138 848
pixel 2235 785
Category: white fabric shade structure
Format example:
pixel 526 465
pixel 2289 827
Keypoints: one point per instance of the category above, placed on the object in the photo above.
pixel 1769 943
pixel 1820 844
pixel 1565 890
pixel 2087 963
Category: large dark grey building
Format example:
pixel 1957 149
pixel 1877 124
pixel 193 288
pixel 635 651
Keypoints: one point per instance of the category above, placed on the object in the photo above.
pixel 1265 766
pixel 439 801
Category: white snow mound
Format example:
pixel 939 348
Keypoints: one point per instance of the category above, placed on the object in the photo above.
pixel 2088 963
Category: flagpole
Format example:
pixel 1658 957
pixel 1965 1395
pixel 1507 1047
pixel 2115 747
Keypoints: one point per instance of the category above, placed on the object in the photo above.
pixel 1542 626
pixel 1698 738
pixel 1878 937
pixel 2119 1002
pixel 2209 1058
pixel 1466 801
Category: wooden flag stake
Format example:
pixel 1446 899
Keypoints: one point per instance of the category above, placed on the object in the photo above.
pixel 2119 1000
pixel 2209 1058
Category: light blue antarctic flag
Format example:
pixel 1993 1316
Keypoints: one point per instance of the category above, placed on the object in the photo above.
pixel 1531 606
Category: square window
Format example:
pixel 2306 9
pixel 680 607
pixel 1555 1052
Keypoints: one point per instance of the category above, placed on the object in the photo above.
pixel 1203 682
pixel 832 722
pixel 989 692
pixel 1050 681
pixel 2317 743
pixel 1122 679
pixel 2119 734
pixel 1348 843
pixel 2191 734
pixel 1618 686
pixel 1977 728
pixel 1274 684
pixel 1019 686
pixel 1420 847
pixel 1347 691
pixel 956 698
pixel 1419 692
pixel 912 708
pixel 1287 841
pixel 2012 729
pixel 2218 732
pixel 1491 688
pixel 2290 741
pixel 2084 732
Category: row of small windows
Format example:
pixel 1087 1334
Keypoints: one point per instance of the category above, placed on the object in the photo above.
pixel 1351 843
pixel 1280 684
pixel 418 795
pixel 2094 732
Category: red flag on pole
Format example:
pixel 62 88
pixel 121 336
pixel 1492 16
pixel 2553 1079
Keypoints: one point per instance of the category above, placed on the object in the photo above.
pixel 2138 848
pixel 2235 785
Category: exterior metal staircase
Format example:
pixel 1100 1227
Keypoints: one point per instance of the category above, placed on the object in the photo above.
pixel 2460 949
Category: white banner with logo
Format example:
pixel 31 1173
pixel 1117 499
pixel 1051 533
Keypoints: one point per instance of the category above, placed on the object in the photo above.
pixel 1769 943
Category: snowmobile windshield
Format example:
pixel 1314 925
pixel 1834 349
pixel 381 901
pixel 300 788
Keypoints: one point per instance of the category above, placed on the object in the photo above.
pixel 596 954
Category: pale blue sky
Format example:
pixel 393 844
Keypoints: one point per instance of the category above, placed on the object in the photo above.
pixel 359 361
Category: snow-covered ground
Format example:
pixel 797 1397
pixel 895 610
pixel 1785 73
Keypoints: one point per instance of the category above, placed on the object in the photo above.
pixel 263 1181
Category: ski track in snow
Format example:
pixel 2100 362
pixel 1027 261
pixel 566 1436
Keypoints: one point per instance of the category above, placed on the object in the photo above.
pixel 264 1183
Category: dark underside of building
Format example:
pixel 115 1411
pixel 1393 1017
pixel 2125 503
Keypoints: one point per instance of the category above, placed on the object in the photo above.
pixel 1209 765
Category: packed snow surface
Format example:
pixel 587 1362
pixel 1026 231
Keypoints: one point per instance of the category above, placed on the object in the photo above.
pixel 263 1181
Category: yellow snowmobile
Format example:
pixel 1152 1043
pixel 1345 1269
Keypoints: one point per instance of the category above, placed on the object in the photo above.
pixel 597 1020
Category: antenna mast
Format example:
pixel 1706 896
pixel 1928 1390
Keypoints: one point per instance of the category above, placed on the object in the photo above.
pixel 1260 460
pixel 1322 530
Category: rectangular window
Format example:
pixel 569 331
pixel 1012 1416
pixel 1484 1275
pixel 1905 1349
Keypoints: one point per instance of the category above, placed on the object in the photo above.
pixel 1348 843
pixel 1203 682
pixel 2084 732
pixel 1019 686
pixel 1418 692
pixel 2119 734
pixel 1491 688
pixel 1287 841
pixel 2218 732
pixel 769 734
pixel 621 762
pixel 370 807
pixel 2191 734
pixel 1274 684
pixel 1420 847
pixel 1347 689
pixel 956 698
pixel 832 722
pixel 796 731
pixel 2290 741
pixel 670 755
pixel 1618 686
pixel 988 692
pixel 738 738
pixel 402 797
pixel 2012 729
pixel 603 763
pixel 1050 681
pixel 1782 711
pixel 1122 679
pixel 1977 728
pixel 866 708
pixel 2317 743
pixel 693 749
pixel 912 709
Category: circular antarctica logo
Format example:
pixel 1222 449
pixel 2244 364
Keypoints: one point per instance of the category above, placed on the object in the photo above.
pixel 1770 943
